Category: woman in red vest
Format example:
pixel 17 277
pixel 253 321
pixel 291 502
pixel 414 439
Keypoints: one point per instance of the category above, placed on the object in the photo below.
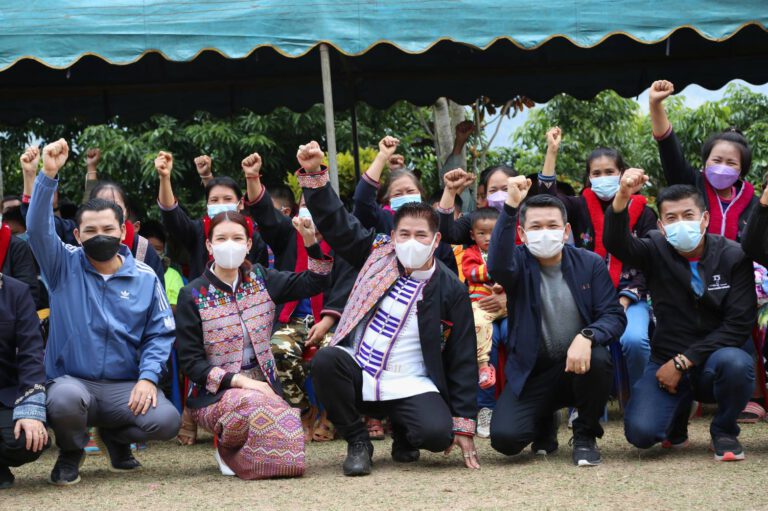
pixel 586 214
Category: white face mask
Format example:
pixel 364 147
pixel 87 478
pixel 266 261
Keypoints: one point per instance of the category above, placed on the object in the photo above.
pixel 413 254
pixel 304 213
pixel 229 254
pixel 545 243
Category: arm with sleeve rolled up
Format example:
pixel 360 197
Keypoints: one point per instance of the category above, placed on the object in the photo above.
pixel 453 231
pixel 617 237
pixel 176 221
pixel 676 168
pixel 366 208
pixel 503 256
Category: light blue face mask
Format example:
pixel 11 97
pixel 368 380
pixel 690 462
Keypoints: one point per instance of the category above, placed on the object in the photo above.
pixel 397 202
pixel 304 213
pixel 605 187
pixel 23 236
pixel 215 209
pixel 684 235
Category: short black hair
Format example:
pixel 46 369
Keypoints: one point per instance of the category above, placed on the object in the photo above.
pixel 284 195
pixel 7 198
pixel 435 198
pixel 735 137
pixel 418 210
pixel 680 192
pixel 225 181
pixel 13 214
pixel 99 205
pixel 542 201
pixel 153 229
pixel 484 214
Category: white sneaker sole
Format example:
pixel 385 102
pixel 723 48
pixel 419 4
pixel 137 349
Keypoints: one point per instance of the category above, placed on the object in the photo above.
pixel 587 463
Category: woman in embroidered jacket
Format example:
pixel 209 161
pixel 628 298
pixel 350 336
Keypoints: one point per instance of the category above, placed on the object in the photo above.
pixel 224 325
pixel 405 344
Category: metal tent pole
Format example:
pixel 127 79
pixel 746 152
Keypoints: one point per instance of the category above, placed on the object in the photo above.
pixel 355 143
pixel 330 128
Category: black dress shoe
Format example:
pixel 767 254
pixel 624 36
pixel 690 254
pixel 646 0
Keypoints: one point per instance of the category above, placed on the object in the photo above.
pixel 66 471
pixel 120 456
pixel 6 478
pixel 358 462
pixel 402 451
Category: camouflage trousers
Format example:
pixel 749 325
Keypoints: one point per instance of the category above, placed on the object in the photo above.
pixel 288 349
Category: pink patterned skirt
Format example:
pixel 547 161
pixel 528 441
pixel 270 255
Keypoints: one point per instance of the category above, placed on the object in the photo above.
pixel 260 436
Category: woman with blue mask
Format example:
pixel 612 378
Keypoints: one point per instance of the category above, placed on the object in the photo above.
pixel 221 194
pixel 586 212
pixel 403 188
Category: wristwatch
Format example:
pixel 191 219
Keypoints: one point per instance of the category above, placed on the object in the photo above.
pixel 589 334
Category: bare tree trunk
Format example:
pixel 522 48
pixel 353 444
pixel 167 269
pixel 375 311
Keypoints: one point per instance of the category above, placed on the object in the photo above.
pixel 447 115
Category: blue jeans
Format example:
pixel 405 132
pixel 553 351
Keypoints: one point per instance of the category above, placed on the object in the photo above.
pixel 486 398
pixel 726 378
pixel 635 345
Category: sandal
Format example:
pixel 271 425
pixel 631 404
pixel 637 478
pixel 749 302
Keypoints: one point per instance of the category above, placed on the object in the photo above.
pixel 324 431
pixel 487 377
pixel 752 414
pixel 308 419
pixel 375 429
pixel 187 434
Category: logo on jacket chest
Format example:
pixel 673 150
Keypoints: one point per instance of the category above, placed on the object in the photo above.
pixel 718 284
pixel 125 295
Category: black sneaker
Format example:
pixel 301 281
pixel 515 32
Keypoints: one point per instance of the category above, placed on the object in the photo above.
pixel 402 451
pixel 547 442
pixel 66 471
pixel 585 452
pixel 120 456
pixel 727 448
pixel 6 478
pixel 359 459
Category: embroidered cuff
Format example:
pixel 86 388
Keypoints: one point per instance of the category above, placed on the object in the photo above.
pixel 330 312
pixel 445 211
pixel 31 407
pixel 632 294
pixel 313 180
pixel 257 199
pixel 163 208
pixel 462 426
pixel 320 266
pixel 547 179
pixel 665 135
pixel 370 180
pixel 215 378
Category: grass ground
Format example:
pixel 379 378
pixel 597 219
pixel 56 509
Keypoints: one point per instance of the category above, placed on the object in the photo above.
pixel 187 478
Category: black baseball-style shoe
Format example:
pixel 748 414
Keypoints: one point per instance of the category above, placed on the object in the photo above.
pixel 359 459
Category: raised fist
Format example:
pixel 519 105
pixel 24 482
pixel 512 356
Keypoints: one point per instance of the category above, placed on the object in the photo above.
pixel 252 165
pixel 310 156
pixel 29 161
pixel 396 162
pixel 660 90
pixel 554 137
pixel 457 180
pixel 305 227
pixel 388 146
pixel 464 129
pixel 92 157
pixel 632 182
pixel 164 164
pixel 55 156
pixel 517 190
pixel 203 165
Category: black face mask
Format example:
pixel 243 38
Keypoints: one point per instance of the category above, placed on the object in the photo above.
pixel 101 248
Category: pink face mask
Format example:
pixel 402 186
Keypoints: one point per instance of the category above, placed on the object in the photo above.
pixel 721 176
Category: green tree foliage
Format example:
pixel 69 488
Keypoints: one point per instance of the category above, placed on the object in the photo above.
pixel 611 121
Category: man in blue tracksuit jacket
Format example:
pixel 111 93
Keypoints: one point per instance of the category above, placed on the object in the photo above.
pixel 564 312
pixel 111 331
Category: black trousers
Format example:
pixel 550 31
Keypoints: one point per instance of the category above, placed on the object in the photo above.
pixel 424 421
pixel 13 452
pixel 520 420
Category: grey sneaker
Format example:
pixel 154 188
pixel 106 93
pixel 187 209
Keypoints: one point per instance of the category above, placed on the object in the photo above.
pixel 484 422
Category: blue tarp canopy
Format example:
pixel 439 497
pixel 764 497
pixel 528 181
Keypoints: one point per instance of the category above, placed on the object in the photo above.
pixel 134 58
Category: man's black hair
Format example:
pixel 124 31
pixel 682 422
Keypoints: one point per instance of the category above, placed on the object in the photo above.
pixel 542 201
pixel 418 210
pixel 680 192
pixel 99 205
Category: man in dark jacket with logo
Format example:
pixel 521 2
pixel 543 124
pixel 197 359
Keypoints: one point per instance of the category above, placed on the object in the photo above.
pixel 704 301
pixel 566 312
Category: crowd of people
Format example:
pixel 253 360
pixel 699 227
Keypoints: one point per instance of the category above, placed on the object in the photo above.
pixel 439 319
